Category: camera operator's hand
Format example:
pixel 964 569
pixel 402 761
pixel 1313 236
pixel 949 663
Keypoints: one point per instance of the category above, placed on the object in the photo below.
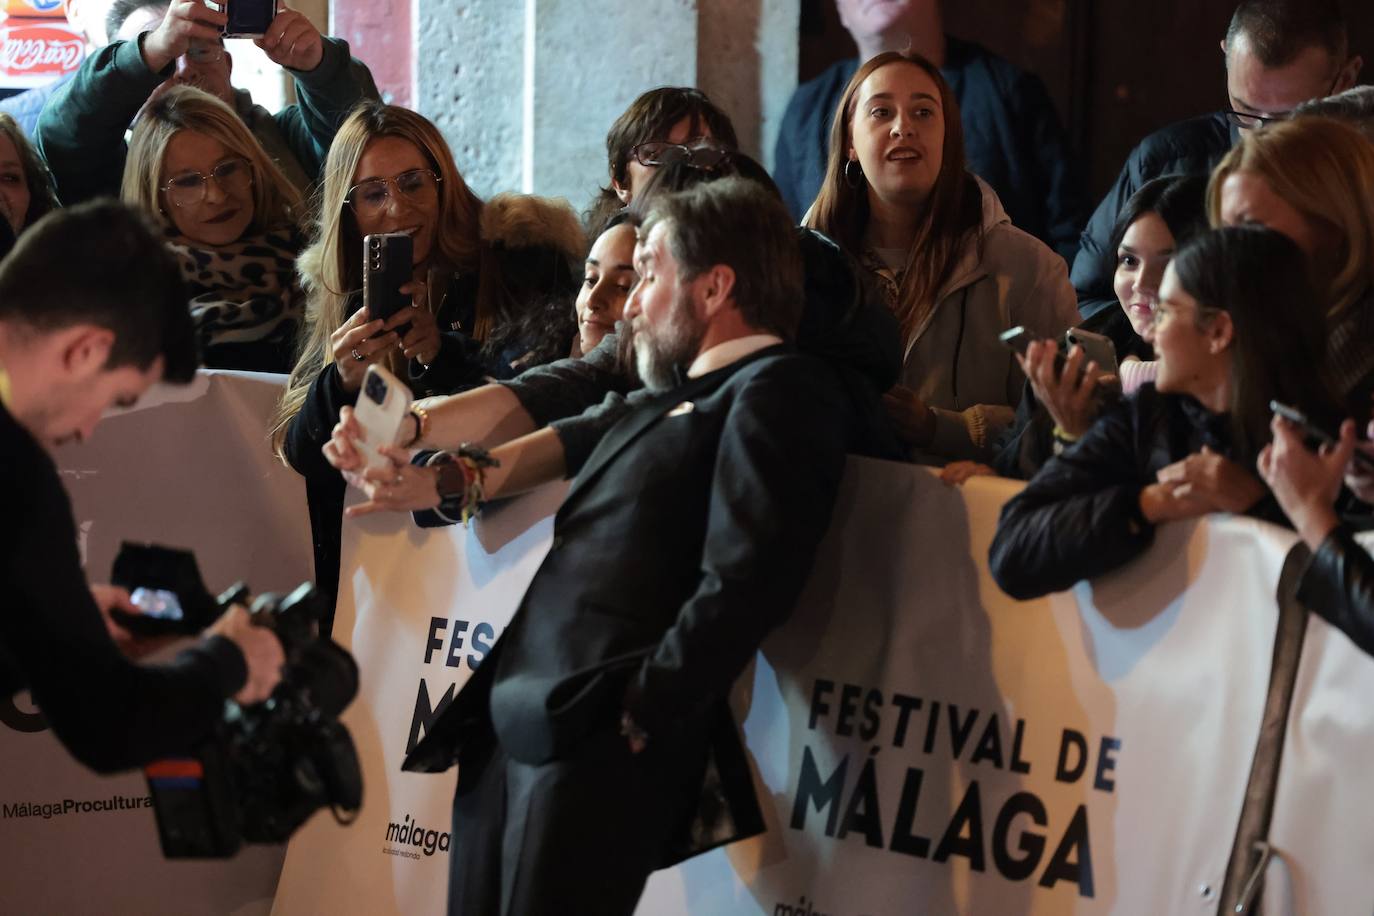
pixel 355 348
pixel 1306 483
pixel 291 41
pixel 262 653
pixel 402 487
pixel 184 22
pixel 1067 395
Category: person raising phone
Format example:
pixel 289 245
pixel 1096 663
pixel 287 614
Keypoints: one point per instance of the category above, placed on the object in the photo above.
pixel 1233 331
pixel 159 45
pixel 492 292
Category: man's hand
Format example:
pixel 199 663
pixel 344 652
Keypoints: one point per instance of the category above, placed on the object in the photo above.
pixel 262 653
pixel 1306 483
pixel 184 22
pixel 292 42
pixel 912 419
pixel 1215 480
pixel 400 487
pixel 956 473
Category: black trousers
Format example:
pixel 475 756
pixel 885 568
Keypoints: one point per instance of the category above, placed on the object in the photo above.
pixel 575 835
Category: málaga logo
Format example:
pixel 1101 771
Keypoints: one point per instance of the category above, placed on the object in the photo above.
pixel 411 836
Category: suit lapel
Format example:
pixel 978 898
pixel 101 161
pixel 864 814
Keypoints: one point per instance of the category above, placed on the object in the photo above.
pixel 635 424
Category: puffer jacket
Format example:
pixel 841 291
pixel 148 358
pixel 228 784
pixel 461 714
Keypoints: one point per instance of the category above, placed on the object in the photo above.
pixel 955 362
pixel 1080 516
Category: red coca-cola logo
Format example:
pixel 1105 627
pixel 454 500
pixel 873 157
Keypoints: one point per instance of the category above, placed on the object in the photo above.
pixel 40 50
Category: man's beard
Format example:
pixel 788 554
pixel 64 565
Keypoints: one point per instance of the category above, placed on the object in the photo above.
pixel 661 351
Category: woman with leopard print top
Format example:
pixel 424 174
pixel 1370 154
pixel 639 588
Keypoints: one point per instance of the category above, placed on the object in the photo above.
pixel 230 218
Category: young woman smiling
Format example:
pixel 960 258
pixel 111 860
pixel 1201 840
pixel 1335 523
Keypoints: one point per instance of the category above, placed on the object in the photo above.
pixel 231 221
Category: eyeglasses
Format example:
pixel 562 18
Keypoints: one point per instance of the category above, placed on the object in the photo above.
pixel 369 198
pixel 233 176
pixel 1248 121
pixel 1166 310
pixel 204 52
pixel 705 156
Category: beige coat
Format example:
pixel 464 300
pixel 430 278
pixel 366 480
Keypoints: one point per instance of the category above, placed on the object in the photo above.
pixel 955 361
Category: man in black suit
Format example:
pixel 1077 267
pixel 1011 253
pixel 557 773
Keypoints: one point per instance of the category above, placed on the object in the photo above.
pixel 595 743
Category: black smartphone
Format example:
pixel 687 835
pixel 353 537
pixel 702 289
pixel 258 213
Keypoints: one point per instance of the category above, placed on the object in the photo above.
pixel 386 268
pixel 1020 338
pixel 1316 433
pixel 249 18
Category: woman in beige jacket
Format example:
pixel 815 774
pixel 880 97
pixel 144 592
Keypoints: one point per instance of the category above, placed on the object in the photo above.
pixel 954 270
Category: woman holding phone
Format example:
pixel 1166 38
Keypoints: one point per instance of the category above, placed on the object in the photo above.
pixel 1232 333
pixel 491 288
pixel 954 271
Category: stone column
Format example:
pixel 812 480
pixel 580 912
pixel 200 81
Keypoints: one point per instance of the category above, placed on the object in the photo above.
pixel 525 90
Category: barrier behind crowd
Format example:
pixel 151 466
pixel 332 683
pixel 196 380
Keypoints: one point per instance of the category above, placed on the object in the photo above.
pixel 918 739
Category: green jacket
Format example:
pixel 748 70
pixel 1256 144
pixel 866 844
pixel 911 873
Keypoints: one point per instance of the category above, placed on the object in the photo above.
pixel 81 130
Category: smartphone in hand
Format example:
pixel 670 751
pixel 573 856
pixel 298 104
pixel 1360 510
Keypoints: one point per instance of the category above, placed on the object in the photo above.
pixel 381 411
pixel 386 268
pixel 1097 348
pixel 1316 433
pixel 248 18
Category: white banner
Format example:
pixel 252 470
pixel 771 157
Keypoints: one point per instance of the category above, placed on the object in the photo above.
pixel 1321 833
pixel 190 467
pixel 920 742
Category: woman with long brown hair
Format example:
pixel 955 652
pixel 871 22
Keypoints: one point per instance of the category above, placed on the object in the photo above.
pixel 492 291
pixel 955 272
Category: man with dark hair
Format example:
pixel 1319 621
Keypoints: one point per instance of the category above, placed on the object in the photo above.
pixel 595 742
pixel 81 130
pixel 660 118
pixel 76 340
pixel 1013 138
pixel 1279 54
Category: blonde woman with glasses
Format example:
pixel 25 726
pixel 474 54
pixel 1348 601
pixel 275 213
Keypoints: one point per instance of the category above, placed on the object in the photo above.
pixel 492 292
pixel 230 217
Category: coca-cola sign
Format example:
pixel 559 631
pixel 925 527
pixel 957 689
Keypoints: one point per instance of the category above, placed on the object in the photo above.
pixel 36 54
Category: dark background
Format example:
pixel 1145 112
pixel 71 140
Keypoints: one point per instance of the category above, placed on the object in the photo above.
pixel 1116 69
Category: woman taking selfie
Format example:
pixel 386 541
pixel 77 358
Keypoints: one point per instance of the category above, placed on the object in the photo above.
pixel 491 288
pixel 1233 331
pixel 230 220
pixel 954 271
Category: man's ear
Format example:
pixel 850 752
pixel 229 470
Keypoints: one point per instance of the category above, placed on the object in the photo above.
pixel 716 288
pixel 85 350
pixel 621 191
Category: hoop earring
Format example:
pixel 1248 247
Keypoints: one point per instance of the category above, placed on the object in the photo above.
pixel 853 178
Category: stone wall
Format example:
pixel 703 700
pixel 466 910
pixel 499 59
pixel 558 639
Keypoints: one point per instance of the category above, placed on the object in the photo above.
pixel 525 90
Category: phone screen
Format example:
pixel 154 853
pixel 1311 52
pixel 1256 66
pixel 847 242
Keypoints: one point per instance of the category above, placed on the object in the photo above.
pixel 249 17
pixel 158 602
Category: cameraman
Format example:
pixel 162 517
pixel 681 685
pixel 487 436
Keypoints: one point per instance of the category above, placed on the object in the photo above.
pixel 73 343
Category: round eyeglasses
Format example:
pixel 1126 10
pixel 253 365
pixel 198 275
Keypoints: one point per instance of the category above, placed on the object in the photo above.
pixel 233 177
pixel 369 198
pixel 704 156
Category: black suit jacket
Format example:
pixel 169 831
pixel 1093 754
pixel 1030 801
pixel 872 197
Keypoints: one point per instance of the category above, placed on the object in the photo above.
pixel 686 537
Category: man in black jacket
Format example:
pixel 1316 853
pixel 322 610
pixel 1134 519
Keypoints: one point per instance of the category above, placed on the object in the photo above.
pixel 1012 136
pixel 74 343
pixel 595 742
pixel 1279 53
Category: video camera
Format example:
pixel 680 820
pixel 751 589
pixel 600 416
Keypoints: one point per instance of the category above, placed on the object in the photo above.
pixel 267 768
